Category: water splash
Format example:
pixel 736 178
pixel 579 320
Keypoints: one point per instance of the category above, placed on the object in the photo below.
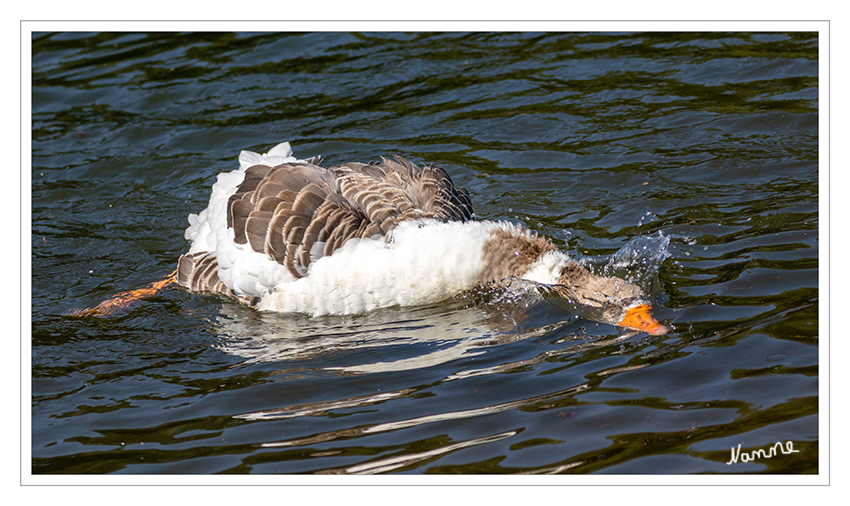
pixel 637 261
pixel 572 238
pixel 648 217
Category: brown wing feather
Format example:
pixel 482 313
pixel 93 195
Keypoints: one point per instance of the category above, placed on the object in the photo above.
pixel 296 213
pixel 199 273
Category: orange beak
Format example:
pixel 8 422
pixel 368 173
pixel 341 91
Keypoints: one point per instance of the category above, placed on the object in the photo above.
pixel 638 318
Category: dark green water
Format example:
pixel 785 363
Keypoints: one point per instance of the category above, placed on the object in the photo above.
pixel 589 139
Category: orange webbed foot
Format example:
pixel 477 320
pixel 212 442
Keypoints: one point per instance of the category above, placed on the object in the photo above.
pixel 125 299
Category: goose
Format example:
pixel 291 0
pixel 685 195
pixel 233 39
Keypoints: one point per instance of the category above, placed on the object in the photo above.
pixel 288 235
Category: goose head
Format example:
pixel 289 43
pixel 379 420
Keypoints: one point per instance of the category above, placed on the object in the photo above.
pixel 607 300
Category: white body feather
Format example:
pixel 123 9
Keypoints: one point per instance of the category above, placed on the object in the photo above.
pixel 423 262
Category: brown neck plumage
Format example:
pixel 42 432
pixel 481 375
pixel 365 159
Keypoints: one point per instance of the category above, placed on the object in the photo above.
pixel 509 253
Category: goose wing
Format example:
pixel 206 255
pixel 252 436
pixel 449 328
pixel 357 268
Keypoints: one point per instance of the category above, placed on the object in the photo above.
pixel 296 213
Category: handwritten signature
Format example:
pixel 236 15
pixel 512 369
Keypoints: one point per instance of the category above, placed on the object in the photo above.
pixel 762 453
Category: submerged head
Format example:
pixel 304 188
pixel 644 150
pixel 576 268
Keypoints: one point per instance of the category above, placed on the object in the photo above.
pixel 607 300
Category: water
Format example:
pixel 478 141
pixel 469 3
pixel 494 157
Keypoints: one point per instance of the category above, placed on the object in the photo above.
pixel 699 148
